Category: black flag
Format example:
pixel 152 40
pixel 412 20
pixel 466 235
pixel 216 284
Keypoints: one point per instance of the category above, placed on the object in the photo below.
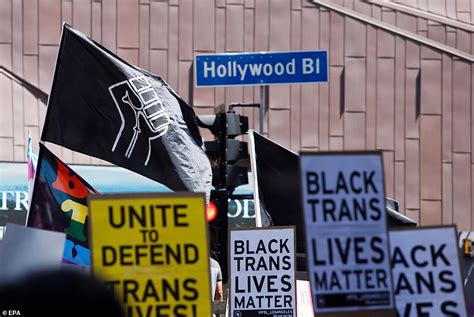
pixel 104 107
pixel 278 190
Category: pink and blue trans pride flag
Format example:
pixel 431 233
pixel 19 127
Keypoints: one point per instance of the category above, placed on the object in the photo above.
pixel 32 159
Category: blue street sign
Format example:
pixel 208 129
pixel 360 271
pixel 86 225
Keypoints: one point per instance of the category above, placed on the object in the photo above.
pixel 264 68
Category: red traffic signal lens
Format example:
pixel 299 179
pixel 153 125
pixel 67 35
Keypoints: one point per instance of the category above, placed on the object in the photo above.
pixel 211 212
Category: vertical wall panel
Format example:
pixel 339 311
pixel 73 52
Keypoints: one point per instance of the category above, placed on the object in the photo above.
pixel 144 37
pixel 371 92
pixel 97 21
pixel 159 25
pixel 30 26
pixel 430 156
pixel 204 26
pixel 280 25
pixel 173 47
pixel 461 107
pixel 81 16
pixel 412 186
pixel 400 100
pixel 261 25
pixel 109 24
pixel 399 189
pixel 127 23
pixel 324 40
pixel 385 103
pixel 185 38
pixel 335 101
pixel 278 130
pixel 355 38
pixel 447 193
pixel 447 128
pixel 462 191
pixel 235 28
pixel 354 131
pixel 336 51
pixel 389 167
pixel 355 84
pixel 430 212
pixel 49 21
pixel 411 104
pixel 431 92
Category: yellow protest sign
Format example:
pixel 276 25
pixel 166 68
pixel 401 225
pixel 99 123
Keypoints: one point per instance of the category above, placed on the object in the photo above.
pixel 152 250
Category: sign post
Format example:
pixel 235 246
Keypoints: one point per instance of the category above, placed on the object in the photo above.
pixel 262 263
pixel 426 272
pixel 261 69
pixel 346 233
pixel 152 250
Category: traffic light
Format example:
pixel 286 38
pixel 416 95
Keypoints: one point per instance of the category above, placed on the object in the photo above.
pixel 225 150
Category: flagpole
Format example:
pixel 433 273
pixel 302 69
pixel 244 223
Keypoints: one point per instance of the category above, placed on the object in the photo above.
pixel 253 166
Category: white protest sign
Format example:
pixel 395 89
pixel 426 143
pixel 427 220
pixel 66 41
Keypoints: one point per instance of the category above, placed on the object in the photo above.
pixel 346 231
pixel 262 263
pixel 426 272
pixel 25 250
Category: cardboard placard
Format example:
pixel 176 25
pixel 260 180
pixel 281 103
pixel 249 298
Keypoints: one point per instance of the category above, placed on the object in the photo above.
pixel 426 272
pixel 152 250
pixel 25 250
pixel 304 302
pixel 262 265
pixel 346 232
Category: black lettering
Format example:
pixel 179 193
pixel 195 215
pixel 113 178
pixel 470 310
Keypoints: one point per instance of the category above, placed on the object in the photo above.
pixel 285 280
pixel 150 292
pixel 329 208
pixel 374 207
pixel 413 256
pixel 313 203
pixel 341 183
pixel 109 255
pixel 426 281
pixel 190 286
pixel 130 288
pixel 178 216
pixel 316 261
pixel 420 309
pixel 359 250
pixel 354 188
pixel 239 247
pixel 126 255
pixel 139 216
pixel 369 182
pixel 320 280
pixel 446 309
pixel 376 245
pixel 172 290
pixel 438 253
pixel 121 223
pixel 312 184
pixel 398 258
pixel 402 284
pixel 448 284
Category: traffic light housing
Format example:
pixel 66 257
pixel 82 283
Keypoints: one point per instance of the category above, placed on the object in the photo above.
pixel 225 151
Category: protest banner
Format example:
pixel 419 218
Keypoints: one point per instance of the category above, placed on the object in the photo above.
pixel 152 250
pixel 346 232
pixel 426 272
pixel 262 264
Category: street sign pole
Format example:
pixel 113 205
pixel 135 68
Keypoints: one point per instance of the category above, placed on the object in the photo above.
pixel 262 107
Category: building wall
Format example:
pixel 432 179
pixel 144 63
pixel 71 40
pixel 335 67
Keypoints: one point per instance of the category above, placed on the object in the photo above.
pixel 386 91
